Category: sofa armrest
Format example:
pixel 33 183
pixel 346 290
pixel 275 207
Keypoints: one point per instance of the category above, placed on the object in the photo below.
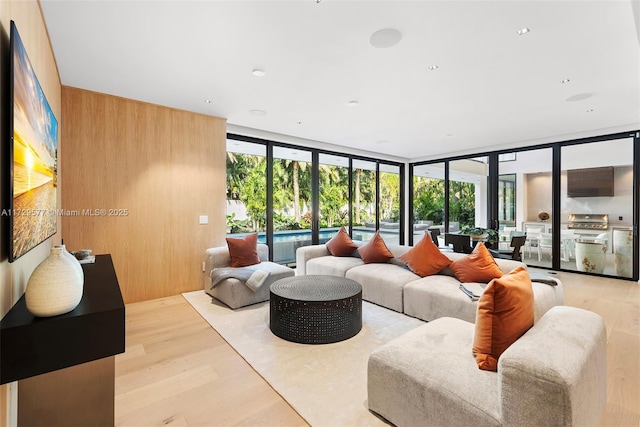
pixel 556 373
pixel 305 253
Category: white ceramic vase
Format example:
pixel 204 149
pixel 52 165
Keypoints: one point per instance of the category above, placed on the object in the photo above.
pixel 623 249
pixel 55 286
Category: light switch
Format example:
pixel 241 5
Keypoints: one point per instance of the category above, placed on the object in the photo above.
pixel 204 219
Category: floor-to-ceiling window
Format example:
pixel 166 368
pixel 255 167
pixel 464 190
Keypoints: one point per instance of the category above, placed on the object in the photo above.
pixel 334 194
pixel 428 199
pixel 597 207
pixel 296 196
pixel 364 199
pixel 577 201
pixel 246 188
pixel 530 172
pixel 292 214
pixel 389 202
pixel 468 193
pixel 507 200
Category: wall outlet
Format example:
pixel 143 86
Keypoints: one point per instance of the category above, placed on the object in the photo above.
pixel 203 266
pixel 619 218
pixel 203 219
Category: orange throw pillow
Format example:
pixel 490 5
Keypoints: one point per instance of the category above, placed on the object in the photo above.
pixel 243 251
pixel 375 250
pixel 505 313
pixel 479 266
pixel 341 244
pixel 425 259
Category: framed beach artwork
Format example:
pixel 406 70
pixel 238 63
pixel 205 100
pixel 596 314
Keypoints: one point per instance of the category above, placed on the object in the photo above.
pixel 33 156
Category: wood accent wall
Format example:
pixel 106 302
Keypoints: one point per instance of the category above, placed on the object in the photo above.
pixel 137 177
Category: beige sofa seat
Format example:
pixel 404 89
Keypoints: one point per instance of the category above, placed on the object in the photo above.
pixel 555 374
pixel 332 265
pixel 439 295
pixel 234 292
pixel 431 297
pixel 382 284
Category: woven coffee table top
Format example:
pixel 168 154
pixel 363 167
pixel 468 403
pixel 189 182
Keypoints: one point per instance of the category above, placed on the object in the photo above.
pixel 315 288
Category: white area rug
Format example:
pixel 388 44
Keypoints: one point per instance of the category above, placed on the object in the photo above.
pixel 326 384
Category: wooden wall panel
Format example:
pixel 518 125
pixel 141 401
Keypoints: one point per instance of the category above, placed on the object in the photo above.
pixel 165 167
pixel 195 185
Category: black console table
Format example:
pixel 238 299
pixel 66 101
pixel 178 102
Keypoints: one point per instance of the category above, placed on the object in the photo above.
pixel 66 363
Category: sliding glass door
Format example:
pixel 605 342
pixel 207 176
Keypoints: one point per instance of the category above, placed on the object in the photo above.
pixel 364 199
pixel 578 202
pixel 294 196
pixel 334 195
pixel 597 207
pixel 468 190
pixel 246 188
pixel 428 199
pixel 389 203
pixel 525 189
pixel 291 202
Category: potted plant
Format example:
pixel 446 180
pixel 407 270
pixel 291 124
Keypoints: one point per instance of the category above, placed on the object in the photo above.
pixel 479 234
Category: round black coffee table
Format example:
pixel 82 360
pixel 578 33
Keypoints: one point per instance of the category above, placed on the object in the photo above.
pixel 315 309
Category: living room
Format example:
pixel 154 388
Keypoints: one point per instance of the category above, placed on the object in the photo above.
pixel 167 167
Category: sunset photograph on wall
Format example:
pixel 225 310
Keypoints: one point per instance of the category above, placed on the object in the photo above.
pixel 34 132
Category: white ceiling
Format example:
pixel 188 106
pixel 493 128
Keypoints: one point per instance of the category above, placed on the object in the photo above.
pixel 493 88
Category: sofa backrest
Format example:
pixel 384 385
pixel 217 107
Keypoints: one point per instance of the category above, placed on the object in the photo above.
pixel 556 373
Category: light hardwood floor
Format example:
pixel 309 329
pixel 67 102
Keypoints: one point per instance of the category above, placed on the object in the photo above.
pixel 177 370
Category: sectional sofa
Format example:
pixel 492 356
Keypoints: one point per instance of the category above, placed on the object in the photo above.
pixel 394 286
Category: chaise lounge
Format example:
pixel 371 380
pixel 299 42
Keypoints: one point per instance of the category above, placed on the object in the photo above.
pixel 233 291
pixel 554 375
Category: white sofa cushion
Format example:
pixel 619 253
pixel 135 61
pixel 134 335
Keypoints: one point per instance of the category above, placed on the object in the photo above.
pixel 437 296
pixel 332 265
pixel 382 283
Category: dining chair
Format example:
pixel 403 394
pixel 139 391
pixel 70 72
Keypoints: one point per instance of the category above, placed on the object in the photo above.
pixel 533 233
pixel 546 243
pixel 434 233
pixel 505 235
pixel 461 242
pixel 515 252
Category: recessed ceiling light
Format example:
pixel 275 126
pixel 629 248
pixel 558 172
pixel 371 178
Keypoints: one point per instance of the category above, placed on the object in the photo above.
pixel 208 101
pixel 449 134
pixel 385 38
pixel 258 113
pixel 433 67
pixel 523 31
pixel 565 81
pixel 578 97
pixel 352 103
pixel 258 72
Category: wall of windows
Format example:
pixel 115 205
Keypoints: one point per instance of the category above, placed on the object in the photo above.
pixel 295 196
pixel 540 191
